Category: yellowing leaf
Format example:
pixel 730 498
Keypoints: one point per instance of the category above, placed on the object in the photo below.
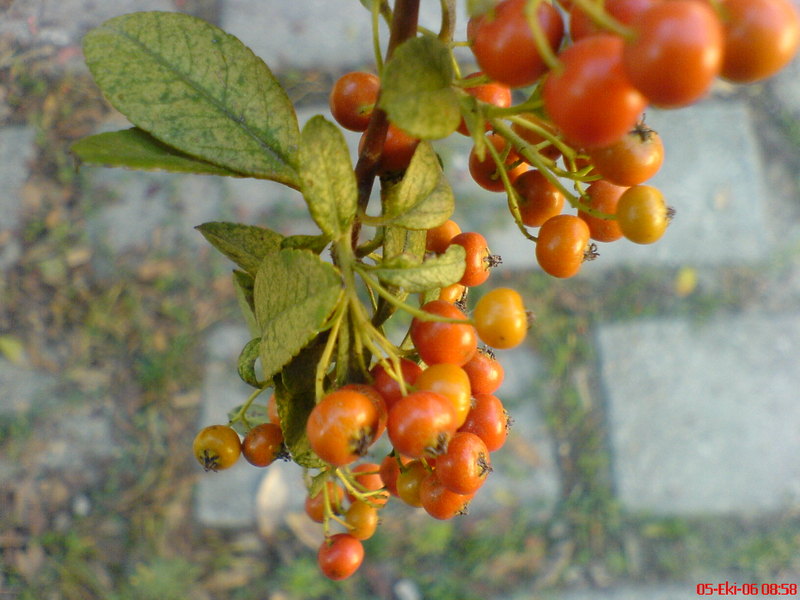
pixel 197 89
pixel 326 175
pixel 295 293
pixel 416 89
pixel 137 149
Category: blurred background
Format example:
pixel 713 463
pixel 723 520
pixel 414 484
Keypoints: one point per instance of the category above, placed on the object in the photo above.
pixel 656 417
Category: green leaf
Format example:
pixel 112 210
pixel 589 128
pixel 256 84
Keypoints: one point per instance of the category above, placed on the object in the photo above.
pixel 317 481
pixel 295 293
pixel 247 363
pixel 435 272
pixel 243 284
pixel 423 199
pixel 315 243
pixel 326 175
pixel 246 245
pixel 295 396
pixel 137 149
pixel 198 90
pixel 428 295
pixel 416 89
pixel 400 241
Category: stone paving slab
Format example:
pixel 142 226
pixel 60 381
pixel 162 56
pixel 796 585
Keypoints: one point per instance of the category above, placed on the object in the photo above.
pixel 525 473
pixel 80 436
pixel 67 437
pixel 124 197
pixel 63 22
pixel 163 205
pixel 703 415
pixel 314 34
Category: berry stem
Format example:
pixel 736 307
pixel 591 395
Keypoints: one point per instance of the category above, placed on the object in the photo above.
pixel 327 512
pixel 472 81
pixel 414 312
pixel 549 136
pixel 529 105
pixel 384 10
pixel 594 10
pixel 376 34
pixel 367 248
pixel 330 343
pixel 538 161
pixel 448 20
pixel 540 39
pixel 352 486
pixel 510 191
pixel 582 206
pixel 240 414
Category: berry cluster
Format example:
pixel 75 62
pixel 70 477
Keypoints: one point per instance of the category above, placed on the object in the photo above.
pixel 437 406
pixel 596 66
pixel 594 77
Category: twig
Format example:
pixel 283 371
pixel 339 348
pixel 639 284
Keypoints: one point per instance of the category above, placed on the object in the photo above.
pixel 404 26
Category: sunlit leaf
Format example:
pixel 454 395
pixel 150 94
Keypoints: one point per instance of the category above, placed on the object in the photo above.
pixel 416 89
pixel 196 89
pixel 295 293
pixel 246 245
pixel 137 149
pixel 326 175
pixel 435 272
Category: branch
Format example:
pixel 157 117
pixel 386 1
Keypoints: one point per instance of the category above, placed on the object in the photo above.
pixel 404 26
